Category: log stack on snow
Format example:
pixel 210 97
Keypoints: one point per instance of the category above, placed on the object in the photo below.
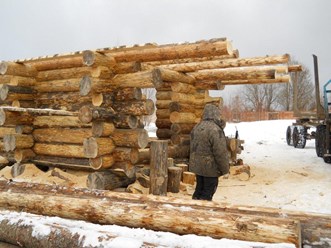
pixel 82 110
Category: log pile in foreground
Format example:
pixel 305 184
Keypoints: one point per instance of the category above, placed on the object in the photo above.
pixel 148 212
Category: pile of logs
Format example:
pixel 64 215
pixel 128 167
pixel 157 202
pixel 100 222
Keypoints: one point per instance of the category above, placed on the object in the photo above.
pixel 83 110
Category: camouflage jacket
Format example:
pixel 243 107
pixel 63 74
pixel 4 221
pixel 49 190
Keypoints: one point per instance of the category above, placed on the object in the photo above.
pixel 208 149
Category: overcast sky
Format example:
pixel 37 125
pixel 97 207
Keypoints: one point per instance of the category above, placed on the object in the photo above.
pixel 255 27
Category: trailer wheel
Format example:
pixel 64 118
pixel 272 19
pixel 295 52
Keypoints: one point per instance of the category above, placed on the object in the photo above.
pixel 320 140
pixel 289 136
pixel 299 137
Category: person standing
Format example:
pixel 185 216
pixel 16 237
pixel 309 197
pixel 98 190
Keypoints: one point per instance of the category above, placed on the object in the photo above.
pixel 209 157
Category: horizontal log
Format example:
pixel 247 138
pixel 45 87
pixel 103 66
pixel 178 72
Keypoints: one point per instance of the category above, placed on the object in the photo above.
pixel 87 114
pixel 102 162
pixel 234 73
pixel 209 85
pixel 62 135
pixel 17 69
pixel 92 58
pixel 163 123
pixel 101 129
pixel 127 67
pixel 59 121
pixel 35 111
pixel 162 113
pixel 96 147
pixel 278 79
pixel 183 128
pixel 127 94
pixel 17 80
pixel 137 108
pixel 61 150
pixel 182 117
pixel 143 79
pixel 177 51
pixel 62 85
pixel 149 212
pixel 183 88
pixel 183 98
pixel 163 95
pixel 137 138
pixel 227 63
pixel 23 104
pixel 77 164
pixel 12 142
pixel 124 168
pixel 76 72
pixel 23 155
pixel 163 133
pixel 21 129
pixel 174 76
pixel 11 118
pixel 162 104
pixel 7 130
pixel 70 101
pixel 126 154
pixel 184 107
pixel 294 68
pixel 126 121
pixel 11 93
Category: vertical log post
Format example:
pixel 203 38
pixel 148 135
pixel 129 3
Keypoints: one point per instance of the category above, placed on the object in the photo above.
pixel 174 178
pixel 159 167
pixel 188 177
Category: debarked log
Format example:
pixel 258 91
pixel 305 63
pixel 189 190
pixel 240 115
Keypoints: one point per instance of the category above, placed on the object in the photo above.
pixel 149 212
pixel 227 63
pixel 58 121
pixel 96 147
pixel 17 69
pixel 70 163
pixel 175 51
pixel 137 108
pixel 61 150
pixel 17 141
pixel 137 138
pixel 10 93
pixel 235 73
pixel 10 118
pixel 62 135
pixel 76 72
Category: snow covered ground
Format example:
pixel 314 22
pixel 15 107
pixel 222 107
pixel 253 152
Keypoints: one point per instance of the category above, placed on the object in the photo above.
pixel 282 177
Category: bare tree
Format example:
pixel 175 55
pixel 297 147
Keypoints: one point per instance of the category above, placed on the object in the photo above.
pixel 306 98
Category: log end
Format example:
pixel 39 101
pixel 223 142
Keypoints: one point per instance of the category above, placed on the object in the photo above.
pixel 90 147
pixel 157 78
pixel 3 68
pixel 88 58
pixel 3 92
pixel 143 138
pixel 85 86
pixel 85 114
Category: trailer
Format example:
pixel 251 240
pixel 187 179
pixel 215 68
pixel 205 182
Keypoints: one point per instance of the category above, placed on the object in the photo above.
pixel 312 125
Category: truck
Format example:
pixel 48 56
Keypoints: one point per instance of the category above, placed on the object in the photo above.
pixel 312 125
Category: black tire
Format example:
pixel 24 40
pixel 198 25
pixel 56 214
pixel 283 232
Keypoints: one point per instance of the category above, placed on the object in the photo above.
pixel 320 140
pixel 299 137
pixel 289 136
pixel 327 159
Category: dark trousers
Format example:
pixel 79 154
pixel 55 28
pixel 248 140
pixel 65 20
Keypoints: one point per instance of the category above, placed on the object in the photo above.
pixel 205 188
